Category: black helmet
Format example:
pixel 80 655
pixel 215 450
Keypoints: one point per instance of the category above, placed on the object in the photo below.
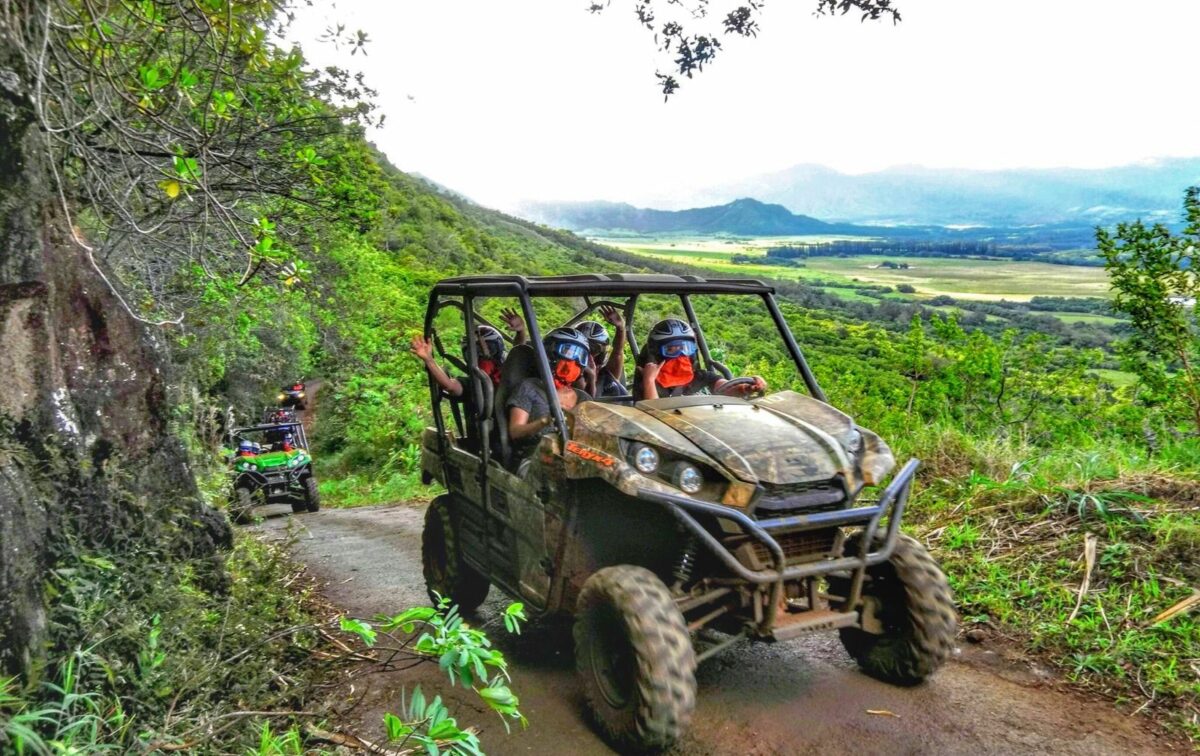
pixel 597 336
pixel 672 334
pixel 567 343
pixel 493 344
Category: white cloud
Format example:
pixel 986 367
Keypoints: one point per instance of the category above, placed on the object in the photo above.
pixel 540 99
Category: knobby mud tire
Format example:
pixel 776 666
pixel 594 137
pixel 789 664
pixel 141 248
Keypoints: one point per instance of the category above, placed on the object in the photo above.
pixel 445 571
pixel 635 659
pixel 243 503
pixel 312 495
pixel 917 612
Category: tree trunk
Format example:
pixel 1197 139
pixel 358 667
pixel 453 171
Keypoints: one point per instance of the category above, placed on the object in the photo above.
pixel 86 458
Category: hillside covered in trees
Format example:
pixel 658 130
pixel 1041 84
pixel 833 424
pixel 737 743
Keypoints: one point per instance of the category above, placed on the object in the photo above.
pixel 222 227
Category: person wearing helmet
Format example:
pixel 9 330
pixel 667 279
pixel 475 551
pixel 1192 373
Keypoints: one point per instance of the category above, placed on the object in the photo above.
pixel 529 416
pixel 490 346
pixel 289 442
pixel 668 366
pixel 490 355
pixel 606 369
pixel 245 448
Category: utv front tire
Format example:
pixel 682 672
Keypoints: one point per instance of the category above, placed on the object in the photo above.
pixel 915 607
pixel 635 658
pixel 312 495
pixel 446 574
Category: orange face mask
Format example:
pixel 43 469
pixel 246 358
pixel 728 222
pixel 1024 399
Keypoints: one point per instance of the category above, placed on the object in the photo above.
pixel 676 371
pixel 492 368
pixel 566 372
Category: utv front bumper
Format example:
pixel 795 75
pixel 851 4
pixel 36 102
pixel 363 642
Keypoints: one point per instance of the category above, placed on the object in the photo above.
pixel 869 551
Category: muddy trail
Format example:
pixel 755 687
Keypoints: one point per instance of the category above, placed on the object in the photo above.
pixel 805 695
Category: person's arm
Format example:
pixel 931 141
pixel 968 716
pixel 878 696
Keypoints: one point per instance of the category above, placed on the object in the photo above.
pixel 590 379
pixel 515 322
pixel 521 427
pixel 616 358
pixel 650 380
pixel 748 388
pixel 424 351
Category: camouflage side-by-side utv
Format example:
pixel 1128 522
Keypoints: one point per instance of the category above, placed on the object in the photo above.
pixel 270 464
pixel 674 527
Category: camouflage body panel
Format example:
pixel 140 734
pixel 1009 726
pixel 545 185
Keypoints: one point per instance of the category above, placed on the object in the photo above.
pixel 776 448
pixel 601 426
pixel 875 461
pixel 785 438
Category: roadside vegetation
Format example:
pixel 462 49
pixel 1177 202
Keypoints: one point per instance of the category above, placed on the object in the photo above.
pixel 1064 505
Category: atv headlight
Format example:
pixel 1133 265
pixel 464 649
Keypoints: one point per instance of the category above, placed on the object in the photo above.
pixel 687 478
pixel 644 458
pixel 854 441
pixel 281 397
pixel 300 394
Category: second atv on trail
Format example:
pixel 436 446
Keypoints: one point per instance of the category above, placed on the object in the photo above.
pixel 672 528
pixel 271 464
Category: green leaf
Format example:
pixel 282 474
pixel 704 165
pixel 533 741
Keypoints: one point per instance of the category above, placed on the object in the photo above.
pixel 395 727
pixel 360 628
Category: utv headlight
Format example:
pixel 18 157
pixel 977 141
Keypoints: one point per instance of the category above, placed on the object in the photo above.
pixel 854 441
pixel 645 458
pixel 687 478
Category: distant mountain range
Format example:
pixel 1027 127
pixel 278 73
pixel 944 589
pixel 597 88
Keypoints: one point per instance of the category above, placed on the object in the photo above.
pixel 790 202
pixel 1152 190
pixel 743 217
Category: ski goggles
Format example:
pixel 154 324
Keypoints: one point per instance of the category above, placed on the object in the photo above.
pixel 574 352
pixel 678 348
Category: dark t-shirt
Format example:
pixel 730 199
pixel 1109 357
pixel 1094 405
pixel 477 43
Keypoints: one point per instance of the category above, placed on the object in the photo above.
pixel 531 397
pixel 610 386
pixel 470 413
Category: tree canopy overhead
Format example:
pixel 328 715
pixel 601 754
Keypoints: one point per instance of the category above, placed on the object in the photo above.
pixel 691 30
pixel 180 137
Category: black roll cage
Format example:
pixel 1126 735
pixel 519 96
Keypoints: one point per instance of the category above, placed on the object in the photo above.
pixel 596 290
pixel 296 427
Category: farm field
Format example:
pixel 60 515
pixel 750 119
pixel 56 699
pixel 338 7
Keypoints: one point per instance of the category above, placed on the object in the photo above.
pixel 981 280
pixel 1080 317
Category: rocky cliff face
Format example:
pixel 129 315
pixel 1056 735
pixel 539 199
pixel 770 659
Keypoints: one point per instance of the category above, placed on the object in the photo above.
pixel 86 457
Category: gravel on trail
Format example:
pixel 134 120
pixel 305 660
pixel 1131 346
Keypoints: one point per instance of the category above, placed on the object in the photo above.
pixel 802 696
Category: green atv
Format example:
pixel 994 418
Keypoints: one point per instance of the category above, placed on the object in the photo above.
pixel 271 465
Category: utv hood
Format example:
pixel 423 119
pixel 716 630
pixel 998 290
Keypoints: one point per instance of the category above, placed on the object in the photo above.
pixel 753 441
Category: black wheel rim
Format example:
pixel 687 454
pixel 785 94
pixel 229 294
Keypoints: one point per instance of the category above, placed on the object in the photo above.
pixel 612 661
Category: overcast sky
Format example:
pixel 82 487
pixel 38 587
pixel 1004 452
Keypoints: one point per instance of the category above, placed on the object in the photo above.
pixel 538 99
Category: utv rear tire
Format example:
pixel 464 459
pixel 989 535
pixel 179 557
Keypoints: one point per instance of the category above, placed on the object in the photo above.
pixel 446 574
pixel 312 495
pixel 243 503
pixel 916 608
pixel 635 658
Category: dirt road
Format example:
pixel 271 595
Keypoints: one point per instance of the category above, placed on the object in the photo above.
pixel 790 698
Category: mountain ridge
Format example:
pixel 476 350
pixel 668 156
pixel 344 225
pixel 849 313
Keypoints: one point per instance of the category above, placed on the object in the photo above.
pixel 918 195
pixel 744 216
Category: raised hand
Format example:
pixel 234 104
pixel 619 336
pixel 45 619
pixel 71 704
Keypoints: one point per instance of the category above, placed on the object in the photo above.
pixel 612 316
pixel 513 320
pixel 421 348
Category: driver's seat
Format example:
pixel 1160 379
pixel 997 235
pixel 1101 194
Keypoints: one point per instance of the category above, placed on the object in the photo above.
pixel 521 363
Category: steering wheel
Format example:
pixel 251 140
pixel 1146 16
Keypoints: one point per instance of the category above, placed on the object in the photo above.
pixel 729 388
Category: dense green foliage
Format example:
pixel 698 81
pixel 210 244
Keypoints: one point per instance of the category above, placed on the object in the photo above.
pixel 1027 453
pixel 1154 276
